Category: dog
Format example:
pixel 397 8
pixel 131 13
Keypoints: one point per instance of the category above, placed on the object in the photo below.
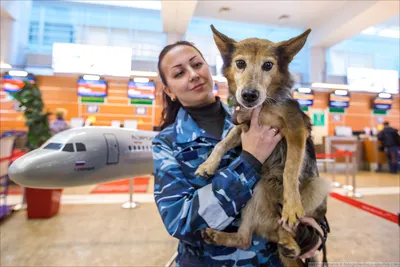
pixel 257 74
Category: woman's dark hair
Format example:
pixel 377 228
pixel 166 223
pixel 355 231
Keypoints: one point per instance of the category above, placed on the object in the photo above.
pixel 171 108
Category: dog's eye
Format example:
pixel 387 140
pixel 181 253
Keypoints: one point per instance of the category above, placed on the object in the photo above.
pixel 240 64
pixel 267 66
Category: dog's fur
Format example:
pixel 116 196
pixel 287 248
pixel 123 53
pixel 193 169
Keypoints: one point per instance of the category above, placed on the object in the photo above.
pixel 289 175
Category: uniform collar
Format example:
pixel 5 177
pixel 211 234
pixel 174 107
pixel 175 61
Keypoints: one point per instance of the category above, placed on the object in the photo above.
pixel 187 130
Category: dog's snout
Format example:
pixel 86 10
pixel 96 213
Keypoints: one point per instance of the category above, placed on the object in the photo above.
pixel 250 96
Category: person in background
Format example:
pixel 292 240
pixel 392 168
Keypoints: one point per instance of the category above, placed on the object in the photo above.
pixel 194 121
pixel 391 143
pixel 59 124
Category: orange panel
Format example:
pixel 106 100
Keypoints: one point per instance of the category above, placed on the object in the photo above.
pixel 59 95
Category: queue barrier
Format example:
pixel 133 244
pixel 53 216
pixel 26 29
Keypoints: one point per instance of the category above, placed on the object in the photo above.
pixel 331 158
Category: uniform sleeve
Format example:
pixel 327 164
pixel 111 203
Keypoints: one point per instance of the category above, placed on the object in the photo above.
pixel 184 209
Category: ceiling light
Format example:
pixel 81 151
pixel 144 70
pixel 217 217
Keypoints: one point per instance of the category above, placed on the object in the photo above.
pixel 304 90
pixel 141 80
pixel 341 92
pixel 384 95
pixel 330 85
pixel 91 77
pixel 224 9
pixel 284 17
pixel 144 73
pixel 20 73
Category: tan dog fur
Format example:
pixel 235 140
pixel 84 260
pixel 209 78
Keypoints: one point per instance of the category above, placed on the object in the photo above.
pixel 294 182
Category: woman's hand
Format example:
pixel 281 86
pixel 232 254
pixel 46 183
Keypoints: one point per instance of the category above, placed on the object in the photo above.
pixel 310 221
pixel 260 140
pixel 314 224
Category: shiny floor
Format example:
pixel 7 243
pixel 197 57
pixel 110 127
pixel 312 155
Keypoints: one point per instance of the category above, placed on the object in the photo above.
pixel 107 235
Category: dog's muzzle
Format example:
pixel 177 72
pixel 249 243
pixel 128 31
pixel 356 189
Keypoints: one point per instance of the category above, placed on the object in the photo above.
pixel 250 96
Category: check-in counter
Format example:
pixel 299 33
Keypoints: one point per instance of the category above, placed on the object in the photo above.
pixel 372 155
pixel 365 147
pixel 351 143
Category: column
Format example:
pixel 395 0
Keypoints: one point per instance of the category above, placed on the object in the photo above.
pixel 317 64
pixel 173 37
pixel 14 31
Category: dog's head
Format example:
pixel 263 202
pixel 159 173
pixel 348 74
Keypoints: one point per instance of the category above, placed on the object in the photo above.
pixel 256 69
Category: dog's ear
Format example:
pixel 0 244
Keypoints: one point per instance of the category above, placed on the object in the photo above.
pixel 291 47
pixel 224 43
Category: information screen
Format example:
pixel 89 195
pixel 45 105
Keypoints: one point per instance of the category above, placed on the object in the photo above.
pixel 12 84
pixel 339 101
pixel 141 90
pixel 92 87
pixel 305 99
pixel 380 103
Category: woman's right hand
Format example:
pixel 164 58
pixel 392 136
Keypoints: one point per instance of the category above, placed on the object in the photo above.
pixel 260 140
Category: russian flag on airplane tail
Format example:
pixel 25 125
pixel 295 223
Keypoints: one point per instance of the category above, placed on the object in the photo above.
pixel 80 163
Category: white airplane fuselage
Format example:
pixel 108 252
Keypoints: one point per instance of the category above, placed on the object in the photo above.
pixel 85 156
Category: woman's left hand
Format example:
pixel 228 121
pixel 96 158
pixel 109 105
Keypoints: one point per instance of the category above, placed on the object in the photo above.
pixel 314 224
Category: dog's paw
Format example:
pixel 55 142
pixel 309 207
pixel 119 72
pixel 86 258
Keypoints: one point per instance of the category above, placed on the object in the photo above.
pixel 206 169
pixel 289 249
pixel 292 212
pixel 209 236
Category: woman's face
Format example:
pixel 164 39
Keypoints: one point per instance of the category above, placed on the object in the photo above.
pixel 188 77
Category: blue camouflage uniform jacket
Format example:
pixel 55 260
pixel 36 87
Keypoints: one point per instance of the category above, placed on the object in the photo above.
pixel 187 203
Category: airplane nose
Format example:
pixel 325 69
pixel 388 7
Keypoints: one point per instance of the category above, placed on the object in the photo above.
pixel 24 171
pixel 250 96
pixel 17 173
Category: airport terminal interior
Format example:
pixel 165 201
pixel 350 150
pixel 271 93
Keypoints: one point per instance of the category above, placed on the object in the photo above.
pixel 74 65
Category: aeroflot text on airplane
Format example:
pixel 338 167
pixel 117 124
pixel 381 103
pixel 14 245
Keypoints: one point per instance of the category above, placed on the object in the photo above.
pixel 148 138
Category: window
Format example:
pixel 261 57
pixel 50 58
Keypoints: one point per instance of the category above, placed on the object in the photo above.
pixel 134 147
pixel 130 148
pixel 34 33
pixel 69 148
pixel 80 147
pixel 53 146
pixel 58 33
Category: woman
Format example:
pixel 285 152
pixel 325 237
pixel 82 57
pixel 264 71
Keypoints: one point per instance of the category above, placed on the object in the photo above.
pixel 194 121
pixel 59 124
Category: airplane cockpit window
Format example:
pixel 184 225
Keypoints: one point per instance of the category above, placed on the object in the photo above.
pixel 53 146
pixel 69 148
pixel 80 147
pixel 134 147
pixel 130 148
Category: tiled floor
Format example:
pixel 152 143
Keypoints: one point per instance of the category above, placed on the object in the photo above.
pixel 107 235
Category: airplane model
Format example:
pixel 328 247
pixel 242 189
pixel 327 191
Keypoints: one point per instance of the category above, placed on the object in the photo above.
pixel 85 156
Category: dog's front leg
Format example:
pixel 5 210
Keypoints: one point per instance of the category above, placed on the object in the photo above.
pixel 293 209
pixel 232 140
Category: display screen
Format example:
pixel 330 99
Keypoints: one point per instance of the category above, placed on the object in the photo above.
pixel 380 103
pixel 339 101
pixel 12 84
pixel 92 87
pixel 141 90
pixel 305 99
pixel 373 80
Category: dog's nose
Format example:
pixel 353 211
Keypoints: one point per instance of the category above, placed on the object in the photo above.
pixel 250 95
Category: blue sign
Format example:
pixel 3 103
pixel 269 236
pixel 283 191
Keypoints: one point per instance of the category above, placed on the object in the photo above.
pixel 339 101
pixel 92 87
pixel 305 99
pixel 12 84
pixel 380 103
pixel 141 90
